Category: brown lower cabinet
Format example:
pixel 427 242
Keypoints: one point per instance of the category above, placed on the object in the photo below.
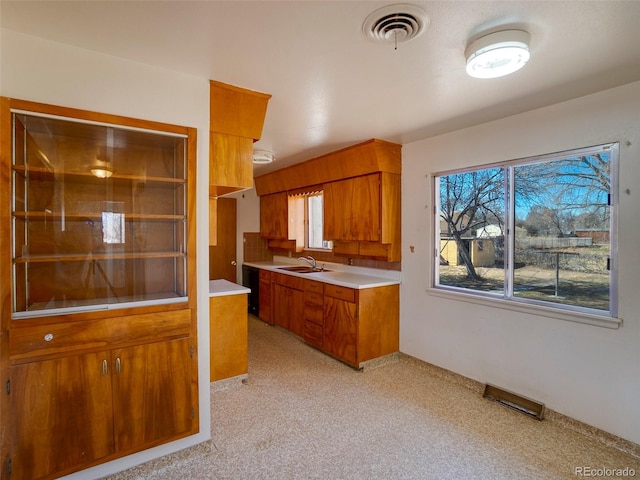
pixel 265 296
pixel 361 324
pixel 341 323
pixel 76 411
pixel 288 308
pixel 353 325
pixel 288 301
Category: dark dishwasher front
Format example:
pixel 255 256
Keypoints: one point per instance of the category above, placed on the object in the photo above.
pixel 251 279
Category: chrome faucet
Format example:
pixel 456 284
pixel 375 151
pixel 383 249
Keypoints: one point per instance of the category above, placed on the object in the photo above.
pixel 310 260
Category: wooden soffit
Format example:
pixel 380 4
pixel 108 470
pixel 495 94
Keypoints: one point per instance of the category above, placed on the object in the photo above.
pixel 361 159
pixel 237 111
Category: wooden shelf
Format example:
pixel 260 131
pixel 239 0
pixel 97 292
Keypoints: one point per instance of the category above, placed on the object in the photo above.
pixel 88 177
pixel 80 257
pixel 77 216
pixel 58 304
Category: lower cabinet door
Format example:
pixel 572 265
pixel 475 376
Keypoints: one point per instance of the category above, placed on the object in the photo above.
pixel 281 306
pixel 265 298
pixel 296 311
pixel 152 394
pixel 340 329
pixel 61 415
pixel 288 309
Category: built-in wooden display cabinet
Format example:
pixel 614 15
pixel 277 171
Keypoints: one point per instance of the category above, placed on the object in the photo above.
pixel 98 287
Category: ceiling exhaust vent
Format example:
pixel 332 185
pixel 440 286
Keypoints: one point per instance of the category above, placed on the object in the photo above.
pixel 395 24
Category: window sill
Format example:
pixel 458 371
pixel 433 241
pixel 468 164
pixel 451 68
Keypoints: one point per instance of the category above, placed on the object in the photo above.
pixel 544 311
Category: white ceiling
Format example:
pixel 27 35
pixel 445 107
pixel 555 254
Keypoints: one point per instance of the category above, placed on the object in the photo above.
pixel 332 87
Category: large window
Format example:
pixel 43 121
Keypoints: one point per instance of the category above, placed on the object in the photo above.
pixel 538 230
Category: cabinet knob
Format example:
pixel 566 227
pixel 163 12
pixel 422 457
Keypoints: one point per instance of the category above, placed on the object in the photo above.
pixel 234 263
pixel 104 368
pixel 48 337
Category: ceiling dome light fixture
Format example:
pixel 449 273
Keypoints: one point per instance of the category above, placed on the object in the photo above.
pixel 498 54
pixel 263 157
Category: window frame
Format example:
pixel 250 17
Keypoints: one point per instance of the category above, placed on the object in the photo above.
pixel 506 299
pixel 307 222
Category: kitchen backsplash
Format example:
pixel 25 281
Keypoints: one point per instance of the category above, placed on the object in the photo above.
pixel 255 248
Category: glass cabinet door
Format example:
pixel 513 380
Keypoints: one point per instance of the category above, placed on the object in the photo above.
pixel 99 215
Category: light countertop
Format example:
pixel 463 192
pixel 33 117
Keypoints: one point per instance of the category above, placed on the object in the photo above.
pixel 220 288
pixel 342 275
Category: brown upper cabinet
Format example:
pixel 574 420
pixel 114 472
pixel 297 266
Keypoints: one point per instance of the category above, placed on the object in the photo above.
pixel 237 111
pixel 274 214
pixel 362 192
pixel 362 216
pixel 352 209
pixel 282 221
pixel 231 165
pixel 236 120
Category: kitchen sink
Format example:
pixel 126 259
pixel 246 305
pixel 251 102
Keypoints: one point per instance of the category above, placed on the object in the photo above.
pixel 303 269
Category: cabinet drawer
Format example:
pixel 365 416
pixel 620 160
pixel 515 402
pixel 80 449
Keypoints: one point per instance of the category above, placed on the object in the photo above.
pixel 313 334
pixel 31 343
pixel 265 275
pixel 311 286
pixel 264 290
pixel 342 293
pixel 312 298
pixel 314 315
pixel 290 281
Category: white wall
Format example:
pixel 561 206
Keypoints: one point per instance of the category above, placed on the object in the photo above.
pixel 248 214
pixel 42 71
pixel 587 372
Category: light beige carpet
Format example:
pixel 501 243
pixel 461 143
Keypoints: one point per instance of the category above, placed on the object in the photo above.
pixel 304 415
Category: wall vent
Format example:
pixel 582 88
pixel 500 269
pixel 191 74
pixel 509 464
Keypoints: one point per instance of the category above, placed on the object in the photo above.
pixel 395 23
pixel 519 403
